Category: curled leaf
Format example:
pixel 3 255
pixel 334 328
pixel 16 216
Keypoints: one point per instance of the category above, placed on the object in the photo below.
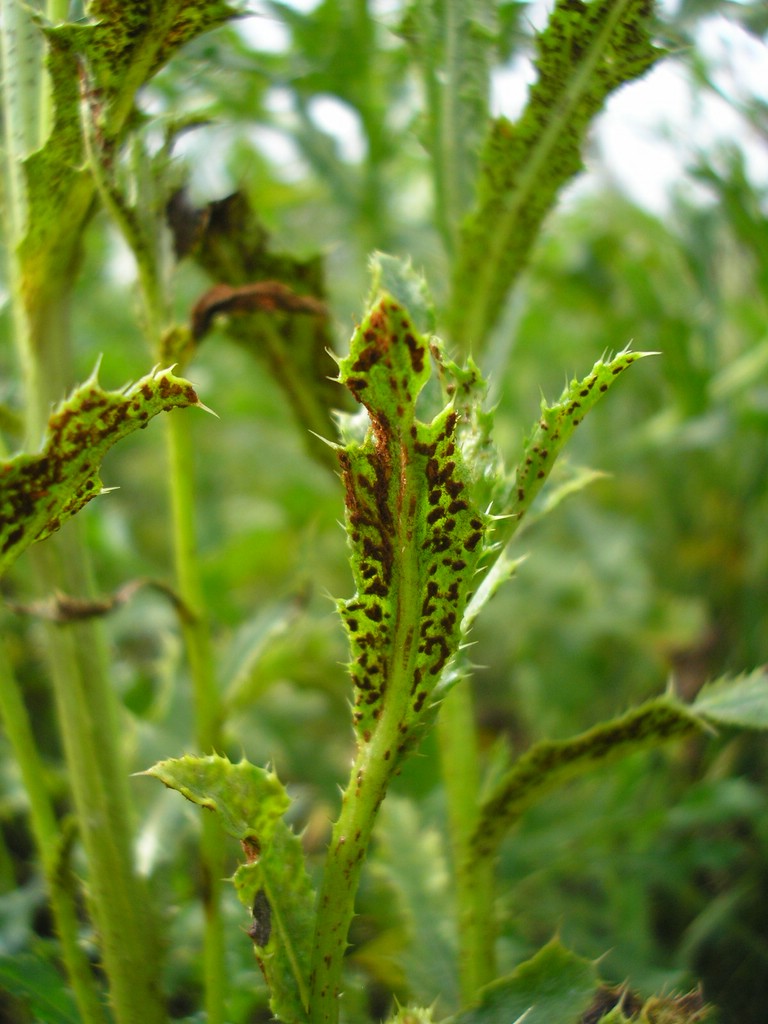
pixel 259 297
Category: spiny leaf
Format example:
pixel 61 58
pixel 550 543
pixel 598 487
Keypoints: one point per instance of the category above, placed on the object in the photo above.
pixel 554 987
pixel 551 762
pixel 248 799
pixel 586 51
pixel 126 44
pixel 415 530
pixel 742 702
pixel 40 492
pixel 277 890
pixel 556 424
pixel 412 1015
pixel 273 884
pixel 109 58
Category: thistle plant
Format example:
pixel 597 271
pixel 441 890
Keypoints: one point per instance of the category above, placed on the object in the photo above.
pixel 433 509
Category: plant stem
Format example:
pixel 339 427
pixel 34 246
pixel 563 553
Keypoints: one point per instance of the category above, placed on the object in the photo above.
pixel 86 705
pixel 474 879
pixel 88 720
pixel 341 874
pixel 207 702
pixel 48 839
pixel 195 627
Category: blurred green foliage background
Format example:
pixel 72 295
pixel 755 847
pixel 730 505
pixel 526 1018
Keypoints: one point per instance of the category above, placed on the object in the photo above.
pixel 656 572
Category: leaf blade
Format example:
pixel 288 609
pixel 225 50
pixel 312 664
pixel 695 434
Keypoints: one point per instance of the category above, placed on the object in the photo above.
pixel 585 53
pixel 554 987
pixel 38 493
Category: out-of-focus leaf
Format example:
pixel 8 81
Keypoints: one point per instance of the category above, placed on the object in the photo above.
pixel 248 646
pixel 39 985
pixel 412 1015
pixel 413 859
pixel 586 52
pixel 38 493
pixel 554 987
pixel 453 43
pixel 227 239
pixel 742 702
pixel 551 762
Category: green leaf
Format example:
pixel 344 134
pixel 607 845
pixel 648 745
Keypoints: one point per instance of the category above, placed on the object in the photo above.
pixel 556 424
pixel 587 51
pixel 741 702
pixel 412 1015
pixel 249 800
pixel 397 277
pixel 554 987
pixel 39 985
pixel 126 44
pixel 277 891
pixel 273 884
pixel 412 857
pixel 549 763
pixel 414 527
pixel 38 493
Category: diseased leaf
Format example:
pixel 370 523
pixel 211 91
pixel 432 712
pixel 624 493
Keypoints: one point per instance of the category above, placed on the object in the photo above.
pixel 231 245
pixel 273 883
pixel 248 799
pixel 585 53
pixel 277 891
pixel 260 296
pixel 554 987
pixel 40 492
pixel 126 44
pixel 556 424
pixel 416 533
pixel 741 702
pixel 104 60
pixel 551 762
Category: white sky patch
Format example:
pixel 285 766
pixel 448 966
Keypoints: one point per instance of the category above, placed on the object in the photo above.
pixel 264 32
pixel 509 88
pixel 342 123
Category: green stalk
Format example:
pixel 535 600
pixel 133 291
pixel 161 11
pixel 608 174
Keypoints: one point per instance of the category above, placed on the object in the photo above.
pixel 195 625
pixel 207 702
pixel 47 835
pixel 350 841
pixel 474 879
pixel 89 724
pixel 86 705
pixel 376 761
